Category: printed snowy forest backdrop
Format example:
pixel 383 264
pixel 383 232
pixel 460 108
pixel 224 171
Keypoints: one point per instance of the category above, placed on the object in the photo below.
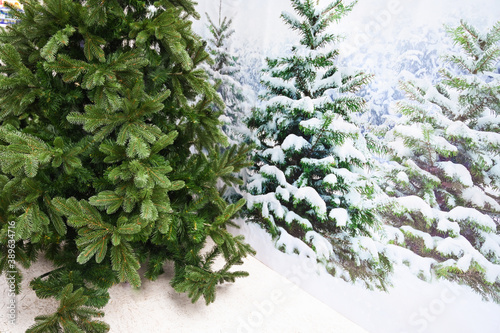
pixel 421 157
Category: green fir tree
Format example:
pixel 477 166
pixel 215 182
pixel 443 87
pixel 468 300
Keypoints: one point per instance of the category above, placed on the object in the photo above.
pixel 111 153
pixel 311 189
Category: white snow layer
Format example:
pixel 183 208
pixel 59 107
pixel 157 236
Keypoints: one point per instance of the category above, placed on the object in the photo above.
pixel 478 198
pixel 472 215
pixel 413 203
pixel 456 172
pixel 338 125
pixel 365 248
pixel 295 142
pixel 419 266
pixel 292 216
pixel 293 245
pixel 428 241
pixel 307 104
pixel 402 177
pixel 347 152
pixel 279 83
pixel 323 247
pixel 340 215
pixel 330 179
pixel 283 193
pixel 271 170
pixel 448 226
pixel 276 154
pixel 310 195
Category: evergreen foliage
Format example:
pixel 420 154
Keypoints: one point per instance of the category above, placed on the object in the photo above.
pixel 445 172
pixel 71 316
pixel 311 189
pixel 111 152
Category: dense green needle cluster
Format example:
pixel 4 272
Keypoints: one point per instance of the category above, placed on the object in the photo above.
pixel 111 151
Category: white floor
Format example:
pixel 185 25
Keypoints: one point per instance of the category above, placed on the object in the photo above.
pixel 263 302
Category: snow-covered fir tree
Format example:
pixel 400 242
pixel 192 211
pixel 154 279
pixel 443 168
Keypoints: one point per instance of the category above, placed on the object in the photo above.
pixel 224 71
pixel 445 171
pixel 310 189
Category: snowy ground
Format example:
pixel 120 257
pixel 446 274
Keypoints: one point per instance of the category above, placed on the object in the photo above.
pixel 410 306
